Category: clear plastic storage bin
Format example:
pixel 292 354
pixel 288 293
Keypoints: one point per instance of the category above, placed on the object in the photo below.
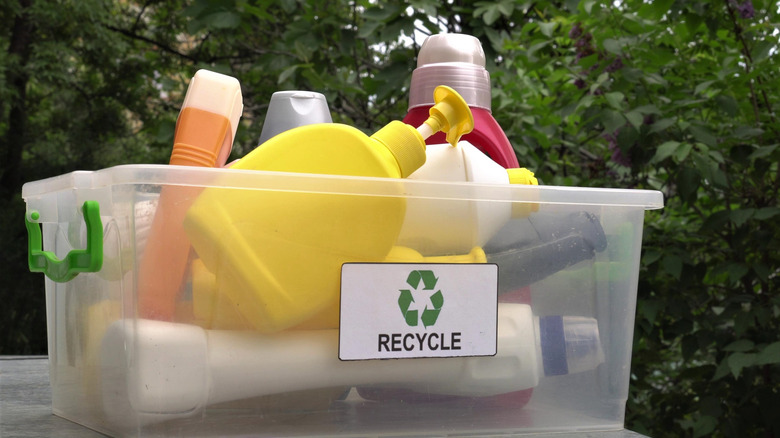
pixel 311 305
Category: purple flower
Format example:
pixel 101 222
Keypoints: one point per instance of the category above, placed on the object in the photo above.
pixel 583 54
pixel 580 83
pixel 575 31
pixel 746 9
pixel 617 154
pixel 616 65
pixel 598 92
pixel 580 43
pixel 620 158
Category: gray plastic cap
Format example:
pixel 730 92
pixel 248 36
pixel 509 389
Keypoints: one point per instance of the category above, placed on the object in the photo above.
pixel 452 59
pixel 291 109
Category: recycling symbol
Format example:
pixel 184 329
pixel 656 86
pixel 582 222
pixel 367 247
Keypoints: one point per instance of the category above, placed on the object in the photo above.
pixel 405 300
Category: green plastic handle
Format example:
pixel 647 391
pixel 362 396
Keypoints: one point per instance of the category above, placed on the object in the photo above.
pixel 77 260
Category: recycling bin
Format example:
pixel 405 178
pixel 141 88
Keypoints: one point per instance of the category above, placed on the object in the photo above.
pixel 316 305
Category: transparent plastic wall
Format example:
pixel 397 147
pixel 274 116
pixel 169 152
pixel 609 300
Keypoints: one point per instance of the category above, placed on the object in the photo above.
pixel 126 376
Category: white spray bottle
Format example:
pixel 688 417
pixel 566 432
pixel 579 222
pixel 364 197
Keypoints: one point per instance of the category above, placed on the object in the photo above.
pixel 165 370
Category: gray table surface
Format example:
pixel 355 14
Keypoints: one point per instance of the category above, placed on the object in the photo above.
pixel 25 405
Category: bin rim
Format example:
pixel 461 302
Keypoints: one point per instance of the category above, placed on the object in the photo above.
pixel 156 174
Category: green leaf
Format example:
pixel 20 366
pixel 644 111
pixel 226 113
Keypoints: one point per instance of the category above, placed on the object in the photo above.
pixel 633 75
pixel 647 109
pixel 381 13
pixel 588 61
pixel 369 28
pixel 223 20
pixel 682 152
pixel 766 213
pixel 489 14
pixel 741 215
pixel 709 170
pixel 661 125
pixel 635 118
pixel 655 10
pixel 762 271
pixel 722 370
pixel 664 151
pixel 693 22
pixel 702 86
pixel 763 152
pixel 615 99
pixel 672 264
pixel 286 73
pixel 649 309
pixel 727 104
pixel 740 346
pixel 655 79
pixel 738 361
pixel 769 355
pixel 506 7
pixel 613 46
pixel 703 135
pixel 289 6
pixel 650 256
pixel 689 345
pixel 688 182
pixel 745 132
pixel 715 221
pixel 612 120
pixel 547 28
pixel 736 271
pixel 762 49
pixel 704 426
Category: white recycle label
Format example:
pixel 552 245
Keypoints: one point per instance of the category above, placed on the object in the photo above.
pixel 410 310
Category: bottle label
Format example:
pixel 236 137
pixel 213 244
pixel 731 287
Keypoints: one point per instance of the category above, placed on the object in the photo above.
pixel 415 310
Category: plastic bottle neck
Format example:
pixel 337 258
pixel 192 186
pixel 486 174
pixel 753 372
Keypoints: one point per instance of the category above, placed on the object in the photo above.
pixel 405 144
pixel 472 82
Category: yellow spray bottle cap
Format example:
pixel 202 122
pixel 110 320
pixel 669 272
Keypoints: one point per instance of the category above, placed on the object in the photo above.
pixel 450 114
pixel 523 176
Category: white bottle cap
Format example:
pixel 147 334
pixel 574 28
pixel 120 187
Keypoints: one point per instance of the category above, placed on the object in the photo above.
pixel 291 109
pixel 216 93
pixel 455 60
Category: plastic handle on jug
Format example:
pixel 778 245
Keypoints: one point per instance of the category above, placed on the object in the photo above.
pixel 89 259
pixel 450 114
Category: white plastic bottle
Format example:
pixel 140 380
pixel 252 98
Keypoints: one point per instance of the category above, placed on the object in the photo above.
pixel 436 227
pixel 167 369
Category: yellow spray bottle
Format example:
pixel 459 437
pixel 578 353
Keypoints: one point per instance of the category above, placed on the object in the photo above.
pixel 277 256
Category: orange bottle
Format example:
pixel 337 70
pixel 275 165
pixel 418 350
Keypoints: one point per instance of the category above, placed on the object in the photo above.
pixel 203 137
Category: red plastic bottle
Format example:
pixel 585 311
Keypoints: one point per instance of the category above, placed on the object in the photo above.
pixel 458 61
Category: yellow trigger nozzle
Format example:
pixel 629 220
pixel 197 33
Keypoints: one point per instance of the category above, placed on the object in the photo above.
pixel 450 114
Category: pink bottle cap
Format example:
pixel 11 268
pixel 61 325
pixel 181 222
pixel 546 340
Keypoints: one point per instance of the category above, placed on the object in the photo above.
pixel 455 60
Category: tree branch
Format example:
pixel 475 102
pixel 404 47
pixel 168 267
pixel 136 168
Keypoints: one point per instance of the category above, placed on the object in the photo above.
pixel 748 62
pixel 162 46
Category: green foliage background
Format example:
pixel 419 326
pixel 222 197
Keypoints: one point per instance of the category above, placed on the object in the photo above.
pixel 678 96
